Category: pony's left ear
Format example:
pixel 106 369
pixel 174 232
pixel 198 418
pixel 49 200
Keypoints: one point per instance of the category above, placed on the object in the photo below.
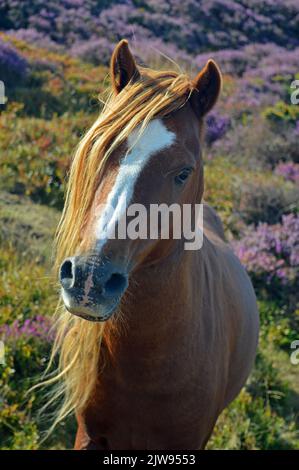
pixel 122 66
pixel 207 86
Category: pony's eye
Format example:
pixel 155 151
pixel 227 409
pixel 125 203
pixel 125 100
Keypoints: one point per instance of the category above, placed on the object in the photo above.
pixel 182 176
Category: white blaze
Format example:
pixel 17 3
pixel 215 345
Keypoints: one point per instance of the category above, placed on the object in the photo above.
pixel 153 139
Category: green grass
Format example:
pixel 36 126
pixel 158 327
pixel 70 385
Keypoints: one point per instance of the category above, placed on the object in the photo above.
pixel 27 227
pixel 265 414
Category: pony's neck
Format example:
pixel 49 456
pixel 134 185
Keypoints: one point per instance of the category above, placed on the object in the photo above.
pixel 152 313
pixel 159 328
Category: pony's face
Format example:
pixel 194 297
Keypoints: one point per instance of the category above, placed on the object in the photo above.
pixel 160 164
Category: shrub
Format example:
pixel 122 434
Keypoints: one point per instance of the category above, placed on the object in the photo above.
pixel 264 198
pixel 289 170
pixel 36 223
pixel 24 361
pixel 193 27
pixel 256 143
pixel 216 127
pixel 55 83
pixel 95 50
pixel 27 299
pixel 282 113
pixel 220 180
pixel 243 196
pixel 21 426
pixel 13 66
pixel 36 327
pixel 36 164
pixel 258 418
pixel 271 255
pixel 26 288
pixel 279 323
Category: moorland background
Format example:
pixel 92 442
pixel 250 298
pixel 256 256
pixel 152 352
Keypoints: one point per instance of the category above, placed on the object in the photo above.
pixel 53 62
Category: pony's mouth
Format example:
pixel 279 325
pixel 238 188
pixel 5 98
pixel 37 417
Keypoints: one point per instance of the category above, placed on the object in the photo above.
pixel 95 308
pixel 86 317
pixel 95 315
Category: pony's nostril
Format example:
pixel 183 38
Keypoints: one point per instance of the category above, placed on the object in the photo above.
pixel 66 274
pixel 116 284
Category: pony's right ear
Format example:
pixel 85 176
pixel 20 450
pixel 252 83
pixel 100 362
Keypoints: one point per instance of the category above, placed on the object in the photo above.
pixel 122 66
pixel 207 85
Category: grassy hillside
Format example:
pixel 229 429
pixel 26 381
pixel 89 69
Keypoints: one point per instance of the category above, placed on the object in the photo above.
pixel 53 61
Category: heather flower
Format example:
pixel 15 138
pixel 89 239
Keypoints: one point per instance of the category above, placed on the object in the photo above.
pixel 216 127
pixel 95 50
pixel 38 327
pixel 289 170
pixel 240 32
pixel 32 36
pixel 271 251
pixel 13 66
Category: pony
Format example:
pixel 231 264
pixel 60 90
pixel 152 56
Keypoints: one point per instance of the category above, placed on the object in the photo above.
pixel 154 340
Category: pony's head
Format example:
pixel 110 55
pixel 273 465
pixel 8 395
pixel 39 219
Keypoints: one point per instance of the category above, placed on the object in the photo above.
pixel 144 149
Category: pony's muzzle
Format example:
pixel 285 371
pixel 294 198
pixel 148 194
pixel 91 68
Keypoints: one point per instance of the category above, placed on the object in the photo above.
pixel 91 287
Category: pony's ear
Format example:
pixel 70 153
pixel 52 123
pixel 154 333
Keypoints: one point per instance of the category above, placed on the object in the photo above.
pixel 207 86
pixel 122 67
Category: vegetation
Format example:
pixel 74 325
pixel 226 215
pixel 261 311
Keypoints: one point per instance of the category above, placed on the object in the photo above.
pixel 251 178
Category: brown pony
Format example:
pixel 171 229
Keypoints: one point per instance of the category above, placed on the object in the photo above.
pixel 156 339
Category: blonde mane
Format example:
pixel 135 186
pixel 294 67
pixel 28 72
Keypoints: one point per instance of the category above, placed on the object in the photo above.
pixel 78 341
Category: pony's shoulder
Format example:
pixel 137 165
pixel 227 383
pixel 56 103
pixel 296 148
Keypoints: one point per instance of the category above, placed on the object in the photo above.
pixel 212 224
